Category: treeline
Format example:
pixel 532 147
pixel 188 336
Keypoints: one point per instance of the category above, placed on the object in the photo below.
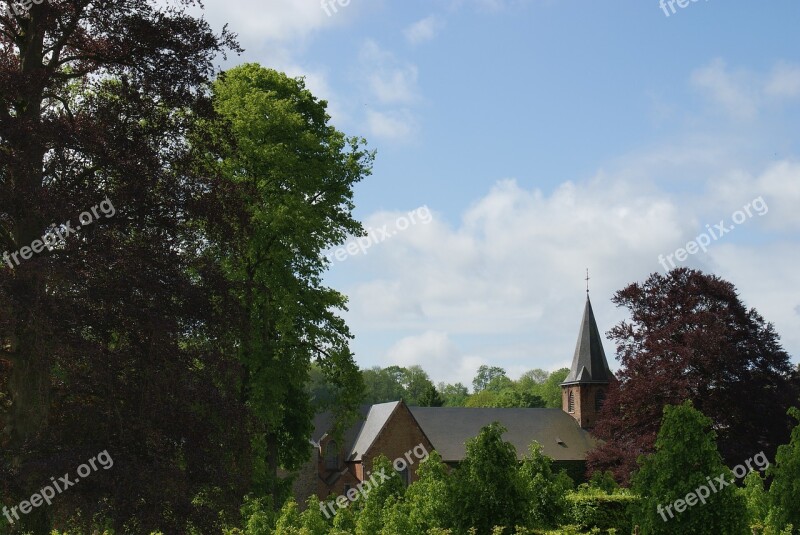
pixel 491 387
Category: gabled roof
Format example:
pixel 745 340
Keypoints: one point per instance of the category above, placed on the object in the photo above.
pixel 589 364
pixel 449 428
pixel 376 420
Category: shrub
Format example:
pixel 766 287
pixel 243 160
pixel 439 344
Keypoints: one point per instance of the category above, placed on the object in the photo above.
pixel 601 510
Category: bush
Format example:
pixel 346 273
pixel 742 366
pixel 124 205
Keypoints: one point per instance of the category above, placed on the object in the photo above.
pixel 601 510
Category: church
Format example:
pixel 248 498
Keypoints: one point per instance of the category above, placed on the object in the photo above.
pixel 393 429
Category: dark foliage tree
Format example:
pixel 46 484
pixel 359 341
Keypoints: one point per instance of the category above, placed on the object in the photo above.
pixel 691 338
pixel 106 339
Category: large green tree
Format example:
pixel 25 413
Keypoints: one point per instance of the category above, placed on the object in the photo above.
pixel 291 176
pixel 691 337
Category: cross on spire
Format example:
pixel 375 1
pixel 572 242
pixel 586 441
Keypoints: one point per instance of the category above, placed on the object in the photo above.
pixel 587 281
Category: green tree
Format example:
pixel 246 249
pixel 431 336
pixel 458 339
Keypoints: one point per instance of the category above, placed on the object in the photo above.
pixel 430 497
pixel 532 378
pixel 430 397
pixel 550 389
pixel 686 461
pixel 485 376
pixel 546 491
pixel 382 385
pixel 487 484
pixel 293 175
pixel 370 518
pixel 454 395
pixel 757 498
pixel 784 492
pixel 417 386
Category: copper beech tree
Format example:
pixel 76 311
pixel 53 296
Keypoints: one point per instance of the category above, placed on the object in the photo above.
pixel 104 338
pixel 690 337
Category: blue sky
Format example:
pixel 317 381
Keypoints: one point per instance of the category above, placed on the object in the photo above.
pixel 545 137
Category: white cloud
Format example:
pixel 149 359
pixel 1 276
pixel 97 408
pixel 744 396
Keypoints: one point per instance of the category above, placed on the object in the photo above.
pixel 730 91
pixel 423 30
pixel 390 81
pixel 391 125
pixel 741 94
pixel 784 81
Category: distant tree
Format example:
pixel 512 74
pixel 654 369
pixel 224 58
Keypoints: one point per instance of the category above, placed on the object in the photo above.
pixel 784 493
pixel 685 459
pixel 319 389
pixel 690 337
pixel 454 395
pixel 531 378
pixel 431 398
pixel 382 385
pixel 550 389
pixel 419 388
pixel 512 398
pixel 485 376
pixel 484 398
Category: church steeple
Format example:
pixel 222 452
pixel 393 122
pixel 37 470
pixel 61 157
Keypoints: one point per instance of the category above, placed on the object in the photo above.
pixel 584 389
pixel 589 364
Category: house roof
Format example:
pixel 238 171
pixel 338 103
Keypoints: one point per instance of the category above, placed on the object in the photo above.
pixel 589 364
pixel 375 422
pixel 449 428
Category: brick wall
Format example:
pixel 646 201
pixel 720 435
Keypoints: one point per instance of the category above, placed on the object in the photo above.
pixel 400 435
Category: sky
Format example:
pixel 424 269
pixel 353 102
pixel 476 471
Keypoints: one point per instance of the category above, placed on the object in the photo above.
pixel 521 142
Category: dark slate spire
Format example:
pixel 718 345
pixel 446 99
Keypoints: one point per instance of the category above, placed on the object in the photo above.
pixel 589 365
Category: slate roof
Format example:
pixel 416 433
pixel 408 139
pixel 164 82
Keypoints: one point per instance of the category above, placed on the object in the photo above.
pixel 589 364
pixel 449 428
pixel 376 419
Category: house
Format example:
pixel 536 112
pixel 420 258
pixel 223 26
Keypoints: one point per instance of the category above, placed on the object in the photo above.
pixel 395 429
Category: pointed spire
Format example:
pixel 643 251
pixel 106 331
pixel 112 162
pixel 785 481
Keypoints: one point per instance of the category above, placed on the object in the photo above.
pixel 589 364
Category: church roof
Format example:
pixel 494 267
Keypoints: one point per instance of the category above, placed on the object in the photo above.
pixel 589 364
pixel 449 429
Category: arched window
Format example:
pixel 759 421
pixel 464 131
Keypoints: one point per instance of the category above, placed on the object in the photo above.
pixel 332 456
pixel 599 399
pixel 405 476
pixel 571 401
